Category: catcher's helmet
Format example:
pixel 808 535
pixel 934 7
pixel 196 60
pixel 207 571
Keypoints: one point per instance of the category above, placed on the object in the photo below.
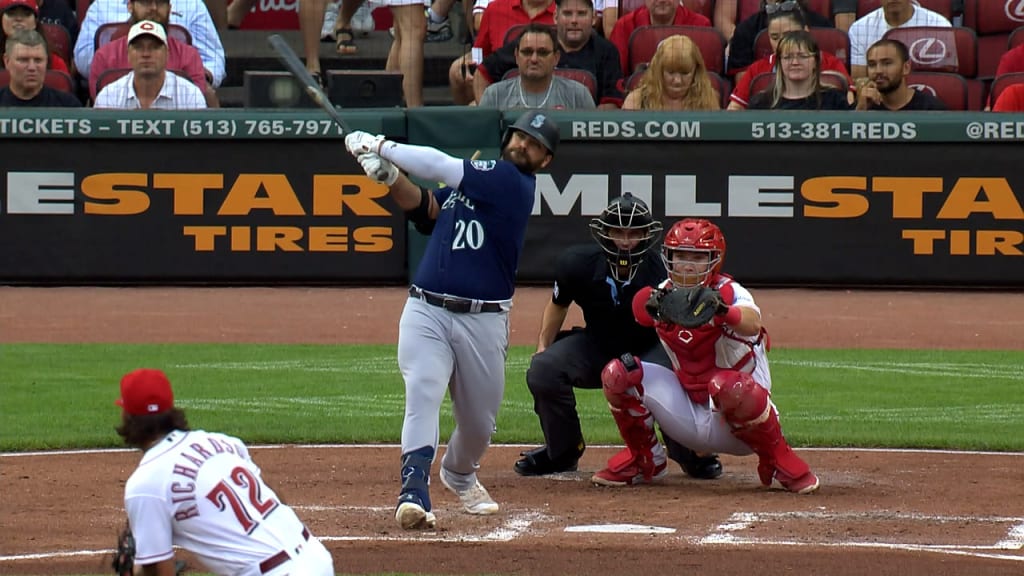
pixel 694 235
pixel 537 124
pixel 630 214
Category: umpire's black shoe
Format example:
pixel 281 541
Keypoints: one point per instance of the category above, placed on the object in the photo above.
pixel 696 466
pixel 536 462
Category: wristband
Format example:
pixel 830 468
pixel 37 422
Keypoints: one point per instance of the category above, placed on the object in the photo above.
pixel 732 317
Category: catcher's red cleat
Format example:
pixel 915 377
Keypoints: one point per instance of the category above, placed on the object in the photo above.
pixel 622 470
pixel 802 485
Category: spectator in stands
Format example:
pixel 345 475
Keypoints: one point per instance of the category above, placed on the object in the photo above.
pixel 888 64
pixel 498 18
pixel 181 58
pixel 797 83
pixel 18 15
pixel 189 14
pixel 676 79
pixel 149 86
pixel 537 86
pixel 741 46
pixel 58 12
pixel 779 23
pixel 579 48
pixel 892 14
pixel 1010 99
pixel 25 57
pixel 1012 61
pixel 653 12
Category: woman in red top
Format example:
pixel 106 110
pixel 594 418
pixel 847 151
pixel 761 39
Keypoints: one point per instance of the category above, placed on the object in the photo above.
pixel 24 15
pixel 779 23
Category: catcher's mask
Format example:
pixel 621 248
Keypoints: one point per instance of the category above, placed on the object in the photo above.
pixel 626 231
pixel 693 252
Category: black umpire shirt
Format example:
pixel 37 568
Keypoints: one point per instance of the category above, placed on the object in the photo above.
pixel 583 277
pixel 47 98
pixel 598 56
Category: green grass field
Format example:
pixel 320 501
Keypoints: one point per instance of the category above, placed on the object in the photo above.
pixel 61 395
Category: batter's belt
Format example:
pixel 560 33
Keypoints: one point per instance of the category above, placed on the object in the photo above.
pixel 454 303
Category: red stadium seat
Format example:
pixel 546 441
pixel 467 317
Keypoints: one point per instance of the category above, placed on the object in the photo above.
pixel 58 39
pixel 703 7
pixel 987 17
pixel 584 77
pixel 81 7
pixel 746 8
pixel 977 92
pixel 643 42
pixel 114 30
pixel 934 49
pixel 110 75
pixel 823 7
pixel 1003 82
pixel 865 6
pixel 835 80
pixel 830 40
pixel 761 82
pixel 1016 38
pixel 54 79
pixel 948 87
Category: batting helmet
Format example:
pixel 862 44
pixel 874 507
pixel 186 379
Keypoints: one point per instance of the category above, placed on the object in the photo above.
pixel 627 219
pixel 694 235
pixel 537 124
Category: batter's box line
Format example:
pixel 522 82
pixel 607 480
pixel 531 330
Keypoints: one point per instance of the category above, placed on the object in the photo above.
pixel 725 533
pixel 513 527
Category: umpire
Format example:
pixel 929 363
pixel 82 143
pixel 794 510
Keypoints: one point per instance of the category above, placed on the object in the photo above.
pixel 601 279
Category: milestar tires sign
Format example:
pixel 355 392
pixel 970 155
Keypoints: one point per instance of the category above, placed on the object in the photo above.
pixel 799 213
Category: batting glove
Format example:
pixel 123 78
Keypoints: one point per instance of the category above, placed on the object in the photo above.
pixel 359 143
pixel 378 169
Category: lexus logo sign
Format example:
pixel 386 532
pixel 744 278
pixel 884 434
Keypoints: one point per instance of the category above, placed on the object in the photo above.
pixel 1015 10
pixel 927 51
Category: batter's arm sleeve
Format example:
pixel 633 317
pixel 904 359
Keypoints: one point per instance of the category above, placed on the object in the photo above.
pixel 424 162
pixel 550 323
pixel 643 318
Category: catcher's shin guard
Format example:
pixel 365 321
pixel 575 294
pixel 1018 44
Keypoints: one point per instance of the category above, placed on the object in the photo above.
pixel 746 406
pixel 622 382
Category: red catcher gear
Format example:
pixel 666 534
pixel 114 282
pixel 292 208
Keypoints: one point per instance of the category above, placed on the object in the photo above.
pixel 746 407
pixel 695 235
pixel 622 381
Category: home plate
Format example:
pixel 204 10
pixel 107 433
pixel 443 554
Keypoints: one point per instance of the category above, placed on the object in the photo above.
pixel 621 529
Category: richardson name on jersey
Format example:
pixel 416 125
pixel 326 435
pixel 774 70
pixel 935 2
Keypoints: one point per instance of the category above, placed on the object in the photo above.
pixel 216 210
pixel 192 459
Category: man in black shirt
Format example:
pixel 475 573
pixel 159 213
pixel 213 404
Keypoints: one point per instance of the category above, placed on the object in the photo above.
pixel 579 48
pixel 887 89
pixel 25 59
pixel 601 279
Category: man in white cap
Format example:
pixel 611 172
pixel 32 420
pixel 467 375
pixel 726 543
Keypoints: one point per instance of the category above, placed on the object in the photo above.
pixel 149 85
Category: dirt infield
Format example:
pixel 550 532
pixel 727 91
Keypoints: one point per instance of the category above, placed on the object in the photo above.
pixel 878 512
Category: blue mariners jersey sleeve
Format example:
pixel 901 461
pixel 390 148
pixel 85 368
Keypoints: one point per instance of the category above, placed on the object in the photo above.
pixel 475 247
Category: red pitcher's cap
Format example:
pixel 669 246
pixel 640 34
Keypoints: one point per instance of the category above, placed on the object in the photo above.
pixel 145 391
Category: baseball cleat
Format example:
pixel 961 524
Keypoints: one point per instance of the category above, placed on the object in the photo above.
pixel 475 499
pixel 803 485
pixel 627 476
pixel 412 516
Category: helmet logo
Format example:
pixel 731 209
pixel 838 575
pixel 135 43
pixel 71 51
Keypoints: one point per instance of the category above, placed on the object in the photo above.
pixel 538 120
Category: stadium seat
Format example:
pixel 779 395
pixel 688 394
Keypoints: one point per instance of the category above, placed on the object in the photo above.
pixel 54 79
pixel 58 39
pixel 81 7
pixel 1004 81
pixel 977 93
pixel 946 86
pixel 109 75
pixel 1016 38
pixel 761 82
pixel 934 49
pixel 703 7
pixel 830 40
pixel 993 21
pixel 111 31
pixel 835 80
pixel 584 77
pixel 643 42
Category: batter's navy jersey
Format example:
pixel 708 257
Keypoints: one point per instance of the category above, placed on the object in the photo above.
pixel 474 249
pixel 583 277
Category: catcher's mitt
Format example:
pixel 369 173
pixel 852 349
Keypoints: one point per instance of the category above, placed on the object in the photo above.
pixel 691 307
pixel 124 555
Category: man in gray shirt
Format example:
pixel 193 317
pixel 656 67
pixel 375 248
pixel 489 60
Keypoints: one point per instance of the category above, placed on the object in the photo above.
pixel 537 86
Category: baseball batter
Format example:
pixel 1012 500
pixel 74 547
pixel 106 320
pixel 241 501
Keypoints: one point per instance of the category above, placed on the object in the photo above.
pixel 453 333
pixel 718 397
pixel 202 492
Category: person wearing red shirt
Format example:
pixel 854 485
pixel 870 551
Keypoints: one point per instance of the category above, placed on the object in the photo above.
pixel 499 17
pixel 656 13
pixel 779 23
pixel 1011 99
pixel 17 15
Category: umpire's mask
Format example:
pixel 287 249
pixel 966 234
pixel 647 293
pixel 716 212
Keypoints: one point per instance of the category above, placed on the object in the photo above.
pixel 625 231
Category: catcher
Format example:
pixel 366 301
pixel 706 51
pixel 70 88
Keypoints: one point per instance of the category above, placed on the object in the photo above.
pixel 202 492
pixel 718 398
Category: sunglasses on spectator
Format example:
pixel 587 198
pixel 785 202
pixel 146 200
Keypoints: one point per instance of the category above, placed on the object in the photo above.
pixel 787 6
pixel 541 52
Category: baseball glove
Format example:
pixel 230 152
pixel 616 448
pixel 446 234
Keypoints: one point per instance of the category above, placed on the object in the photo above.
pixel 691 307
pixel 124 555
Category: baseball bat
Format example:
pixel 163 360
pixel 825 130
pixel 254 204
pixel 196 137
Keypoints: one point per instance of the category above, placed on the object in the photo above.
pixel 291 61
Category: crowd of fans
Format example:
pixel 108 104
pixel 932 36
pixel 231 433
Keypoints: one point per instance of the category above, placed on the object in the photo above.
pixel 559 54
